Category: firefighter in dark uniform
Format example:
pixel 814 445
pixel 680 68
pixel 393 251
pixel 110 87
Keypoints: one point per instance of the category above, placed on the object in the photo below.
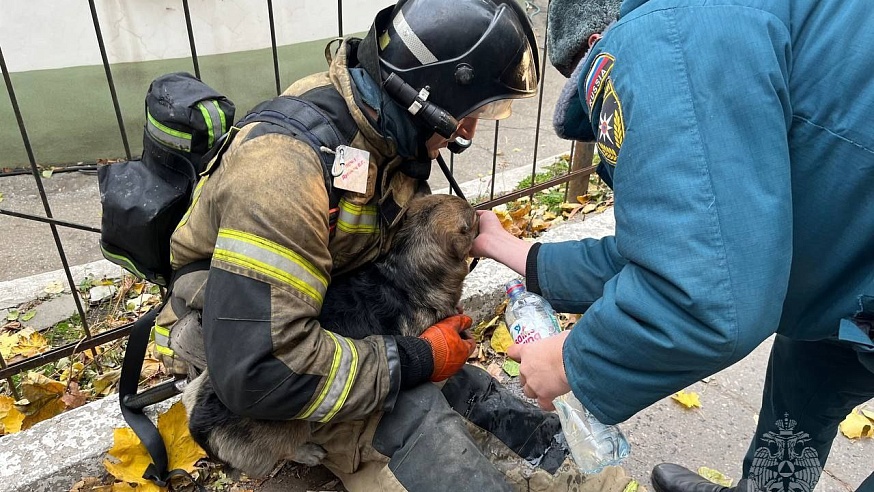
pixel 263 219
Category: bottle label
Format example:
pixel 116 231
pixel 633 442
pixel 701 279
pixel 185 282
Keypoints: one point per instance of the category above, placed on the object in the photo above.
pixel 524 331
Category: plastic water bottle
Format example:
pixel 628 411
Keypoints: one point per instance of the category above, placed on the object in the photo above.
pixel 592 444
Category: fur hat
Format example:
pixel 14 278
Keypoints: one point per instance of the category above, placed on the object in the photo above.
pixel 571 22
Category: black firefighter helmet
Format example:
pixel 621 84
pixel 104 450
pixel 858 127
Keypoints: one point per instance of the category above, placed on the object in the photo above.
pixel 466 57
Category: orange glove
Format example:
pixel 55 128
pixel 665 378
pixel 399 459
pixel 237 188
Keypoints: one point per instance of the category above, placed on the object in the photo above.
pixel 450 351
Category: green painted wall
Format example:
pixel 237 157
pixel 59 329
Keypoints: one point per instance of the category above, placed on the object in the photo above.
pixel 69 116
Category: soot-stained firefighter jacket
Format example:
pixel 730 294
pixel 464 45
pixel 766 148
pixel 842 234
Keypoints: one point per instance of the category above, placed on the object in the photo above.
pixel 263 218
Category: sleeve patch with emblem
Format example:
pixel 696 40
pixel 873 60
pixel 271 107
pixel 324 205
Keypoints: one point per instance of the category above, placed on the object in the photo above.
pixel 611 127
pixel 597 75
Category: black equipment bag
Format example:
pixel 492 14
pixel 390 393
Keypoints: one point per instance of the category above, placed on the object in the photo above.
pixel 143 200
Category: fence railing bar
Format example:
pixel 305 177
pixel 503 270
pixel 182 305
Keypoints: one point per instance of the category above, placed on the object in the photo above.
pixel 9 380
pixel 340 18
pixel 534 189
pixel 14 101
pixel 191 44
pixel 67 350
pixel 494 159
pixel 540 88
pixel 109 79
pixel 37 218
pixel 273 44
pixel 451 167
pixel 42 192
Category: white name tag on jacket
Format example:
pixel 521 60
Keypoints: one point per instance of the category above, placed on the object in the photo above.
pixel 350 169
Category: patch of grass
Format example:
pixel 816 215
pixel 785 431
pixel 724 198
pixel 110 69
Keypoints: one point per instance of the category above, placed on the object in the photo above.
pixel 551 198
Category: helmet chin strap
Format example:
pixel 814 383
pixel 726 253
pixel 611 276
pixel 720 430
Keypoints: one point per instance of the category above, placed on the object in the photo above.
pixel 459 145
pixel 457 189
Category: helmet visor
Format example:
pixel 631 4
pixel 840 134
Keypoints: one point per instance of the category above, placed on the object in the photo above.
pixel 495 110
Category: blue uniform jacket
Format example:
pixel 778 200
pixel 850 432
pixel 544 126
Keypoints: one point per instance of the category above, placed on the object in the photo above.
pixel 742 141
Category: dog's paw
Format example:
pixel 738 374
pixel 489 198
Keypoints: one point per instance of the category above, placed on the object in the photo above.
pixel 309 454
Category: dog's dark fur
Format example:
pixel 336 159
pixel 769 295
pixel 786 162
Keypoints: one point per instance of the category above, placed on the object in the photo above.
pixel 416 284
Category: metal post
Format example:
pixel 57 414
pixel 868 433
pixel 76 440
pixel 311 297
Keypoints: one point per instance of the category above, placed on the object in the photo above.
pixel 109 79
pixel 495 159
pixel 191 38
pixel 340 18
pixel 273 44
pixel 539 107
pixel 42 192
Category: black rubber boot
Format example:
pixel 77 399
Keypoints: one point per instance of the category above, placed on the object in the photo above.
pixel 668 477
pixel 530 432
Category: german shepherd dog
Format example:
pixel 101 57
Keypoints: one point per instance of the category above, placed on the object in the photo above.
pixel 417 283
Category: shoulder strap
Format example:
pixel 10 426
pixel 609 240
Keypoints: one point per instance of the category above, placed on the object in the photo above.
pixel 132 404
pixel 319 118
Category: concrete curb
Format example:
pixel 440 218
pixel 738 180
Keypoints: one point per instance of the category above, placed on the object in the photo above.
pixel 55 454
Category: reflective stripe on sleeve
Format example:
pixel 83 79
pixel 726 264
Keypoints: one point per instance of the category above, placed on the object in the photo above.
pixel 271 259
pixel 162 340
pixel 357 219
pixel 344 368
pixel 168 136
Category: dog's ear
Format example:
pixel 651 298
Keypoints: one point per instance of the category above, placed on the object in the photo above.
pixel 461 242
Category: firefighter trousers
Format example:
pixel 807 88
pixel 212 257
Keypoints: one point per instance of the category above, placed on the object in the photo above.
pixel 471 435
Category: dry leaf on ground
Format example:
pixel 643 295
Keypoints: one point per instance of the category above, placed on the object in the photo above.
pixel 495 370
pixel 856 425
pixel 715 476
pixel 55 287
pixel 74 398
pixel 128 458
pixel 10 417
pixel 501 339
pixel 26 343
pixel 511 367
pixel 41 399
pixel 687 399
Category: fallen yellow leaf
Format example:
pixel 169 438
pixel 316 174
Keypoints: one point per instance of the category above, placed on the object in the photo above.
pixel 856 426
pixel 103 384
pixel 688 400
pixel 715 476
pixel 501 339
pixel 10 417
pixel 41 399
pixel 125 487
pixel 151 367
pixel 30 343
pixel 55 287
pixel 481 328
pixel 128 458
pixel 868 413
pixel 522 211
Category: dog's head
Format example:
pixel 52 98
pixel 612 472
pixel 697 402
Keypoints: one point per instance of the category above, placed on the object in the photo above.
pixel 440 225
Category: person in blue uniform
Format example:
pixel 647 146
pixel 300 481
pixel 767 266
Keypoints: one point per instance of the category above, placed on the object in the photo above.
pixel 738 137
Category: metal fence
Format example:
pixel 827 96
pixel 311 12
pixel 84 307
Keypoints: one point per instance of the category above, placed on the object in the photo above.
pixel 577 179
